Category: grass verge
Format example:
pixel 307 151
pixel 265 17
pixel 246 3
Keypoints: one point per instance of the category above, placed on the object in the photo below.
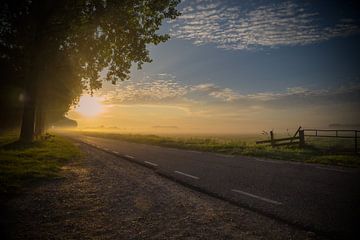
pixel 21 164
pixel 242 146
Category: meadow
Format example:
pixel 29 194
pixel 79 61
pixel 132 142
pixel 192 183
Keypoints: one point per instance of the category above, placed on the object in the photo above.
pixel 22 164
pixel 317 150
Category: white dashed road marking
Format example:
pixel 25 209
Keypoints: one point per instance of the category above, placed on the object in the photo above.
pixel 150 163
pixel 185 174
pixel 115 152
pixel 257 197
pixel 129 156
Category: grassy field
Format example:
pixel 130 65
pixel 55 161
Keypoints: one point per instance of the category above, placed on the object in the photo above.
pixel 21 164
pixel 317 151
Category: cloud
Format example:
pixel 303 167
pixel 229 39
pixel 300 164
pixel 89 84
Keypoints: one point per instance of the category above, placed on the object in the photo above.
pixel 206 87
pixel 303 97
pixel 153 89
pixel 164 90
pixel 271 25
pixel 288 98
pixel 165 127
pixel 224 94
pixel 160 102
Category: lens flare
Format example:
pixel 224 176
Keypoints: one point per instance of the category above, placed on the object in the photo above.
pixel 89 106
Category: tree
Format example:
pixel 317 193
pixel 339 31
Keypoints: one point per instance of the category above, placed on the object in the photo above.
pixel 88 35
pixel 63 87
pixel 10 96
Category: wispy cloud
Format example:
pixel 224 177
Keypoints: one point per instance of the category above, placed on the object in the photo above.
pixel 164 89
pixel 271 25
pixel 224 94
pixel 160 102
pixel 153 89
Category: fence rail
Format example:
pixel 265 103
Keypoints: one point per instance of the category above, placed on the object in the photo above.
pixel 285 141
pixel 338 134
pixel 317 133
pixel 277 140
pixel 300 135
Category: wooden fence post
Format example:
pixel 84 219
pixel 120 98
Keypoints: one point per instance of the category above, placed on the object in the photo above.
pixel 301 139
pixel 297 131
pixel 356 141
pixel 272 139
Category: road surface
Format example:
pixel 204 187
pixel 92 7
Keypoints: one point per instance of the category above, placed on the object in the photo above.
pixel 317 197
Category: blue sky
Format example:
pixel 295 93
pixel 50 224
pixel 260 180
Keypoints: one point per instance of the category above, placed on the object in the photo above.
pixel 284 62
pixel 233 63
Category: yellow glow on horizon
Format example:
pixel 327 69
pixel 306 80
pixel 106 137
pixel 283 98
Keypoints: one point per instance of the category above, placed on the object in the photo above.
pixel 89 106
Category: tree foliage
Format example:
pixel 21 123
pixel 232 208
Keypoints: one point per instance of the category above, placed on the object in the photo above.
pixel 55 49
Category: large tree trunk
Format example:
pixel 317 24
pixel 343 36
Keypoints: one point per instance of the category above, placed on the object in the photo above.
pixel 34 67
pixel 40 120
pixel 31 92
pixel 28 118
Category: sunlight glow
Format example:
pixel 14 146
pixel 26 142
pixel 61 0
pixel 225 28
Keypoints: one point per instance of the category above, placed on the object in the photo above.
pixel 89 106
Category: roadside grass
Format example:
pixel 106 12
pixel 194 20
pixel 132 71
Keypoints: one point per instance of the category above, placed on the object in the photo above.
pixel 323 151
pixel 22 164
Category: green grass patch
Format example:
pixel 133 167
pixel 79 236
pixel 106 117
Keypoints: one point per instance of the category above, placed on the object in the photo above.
pixel 323 151
pixel 21 164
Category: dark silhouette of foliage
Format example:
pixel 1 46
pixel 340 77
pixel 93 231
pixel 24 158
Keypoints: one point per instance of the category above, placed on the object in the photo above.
pixel 56 49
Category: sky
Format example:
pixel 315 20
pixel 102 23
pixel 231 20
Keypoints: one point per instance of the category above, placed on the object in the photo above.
pixel 242 66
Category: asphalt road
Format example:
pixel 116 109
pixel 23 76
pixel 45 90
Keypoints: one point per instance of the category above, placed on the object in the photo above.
pixel 321 198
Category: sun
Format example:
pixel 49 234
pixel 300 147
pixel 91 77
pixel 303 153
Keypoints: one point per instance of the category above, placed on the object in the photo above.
pixel 89 106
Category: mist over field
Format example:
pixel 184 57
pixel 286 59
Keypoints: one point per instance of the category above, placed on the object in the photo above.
pixel 179 119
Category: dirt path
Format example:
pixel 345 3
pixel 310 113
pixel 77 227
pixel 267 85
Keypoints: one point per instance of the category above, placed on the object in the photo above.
pixel 105 197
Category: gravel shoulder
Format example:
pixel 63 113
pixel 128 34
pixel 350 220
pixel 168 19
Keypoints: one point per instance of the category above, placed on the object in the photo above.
pixel 105 197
